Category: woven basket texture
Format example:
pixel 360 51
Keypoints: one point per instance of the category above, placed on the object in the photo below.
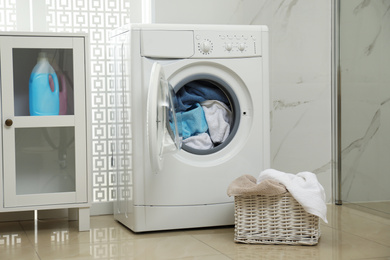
pixel 278 219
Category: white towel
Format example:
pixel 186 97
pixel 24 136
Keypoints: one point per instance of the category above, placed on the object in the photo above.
pixel 304 187
pixel 200 142
pixel 219 118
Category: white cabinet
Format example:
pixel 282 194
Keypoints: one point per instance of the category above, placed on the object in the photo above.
pixel 45 148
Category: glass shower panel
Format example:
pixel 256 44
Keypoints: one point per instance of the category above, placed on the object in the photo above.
pixel 365 103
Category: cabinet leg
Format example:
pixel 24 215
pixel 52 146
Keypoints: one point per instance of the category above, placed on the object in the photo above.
pixel 82 215
pixel 84 219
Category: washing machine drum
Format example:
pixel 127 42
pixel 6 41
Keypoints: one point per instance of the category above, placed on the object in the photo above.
pixel 206 111
pixel 199 115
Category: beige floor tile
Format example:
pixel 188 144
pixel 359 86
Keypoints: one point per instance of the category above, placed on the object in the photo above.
pixel 224 243
pixel 367 213
pixel 368 229
pixel 376 258
pixel 208 257
pixel 362 224
pixel 174 247
pixel 337 213
pixel 339 245
pixel 383 207
pixel 333 244
pixel 350 234
pixel 65 251
pixel 23 252
pixel 60 232
pixel 12 236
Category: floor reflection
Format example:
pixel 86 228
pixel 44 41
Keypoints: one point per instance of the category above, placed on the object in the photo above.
pixel 10 240
pixel 350 234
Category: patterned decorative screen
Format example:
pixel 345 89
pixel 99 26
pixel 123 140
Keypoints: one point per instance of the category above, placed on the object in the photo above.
pixel 98 18
pixel 7 15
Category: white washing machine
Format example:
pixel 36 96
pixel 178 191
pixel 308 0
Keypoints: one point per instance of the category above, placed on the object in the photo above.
pixel 163 180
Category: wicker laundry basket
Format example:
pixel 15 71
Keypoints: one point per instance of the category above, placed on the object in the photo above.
pixel 278 219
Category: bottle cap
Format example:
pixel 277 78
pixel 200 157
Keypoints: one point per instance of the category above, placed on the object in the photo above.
pixel 42 56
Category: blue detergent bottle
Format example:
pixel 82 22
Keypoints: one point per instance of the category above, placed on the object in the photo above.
pixel 43 89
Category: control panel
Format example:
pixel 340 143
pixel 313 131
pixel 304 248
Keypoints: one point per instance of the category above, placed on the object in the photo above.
pixel 213 44
pixel 201 44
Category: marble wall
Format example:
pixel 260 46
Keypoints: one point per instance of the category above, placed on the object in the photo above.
pixel 300 72
pixel 365 97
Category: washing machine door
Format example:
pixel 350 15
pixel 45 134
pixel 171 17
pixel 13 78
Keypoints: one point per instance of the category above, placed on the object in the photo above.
pixel 163 124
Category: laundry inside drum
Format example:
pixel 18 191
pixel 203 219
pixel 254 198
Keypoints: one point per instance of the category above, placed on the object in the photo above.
pixel 207 113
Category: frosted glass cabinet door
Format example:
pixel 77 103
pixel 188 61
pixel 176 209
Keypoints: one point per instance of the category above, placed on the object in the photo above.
pixel 44 120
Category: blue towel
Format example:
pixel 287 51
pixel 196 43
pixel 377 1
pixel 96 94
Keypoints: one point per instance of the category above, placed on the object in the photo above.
pixel 179 125
pixel 197 92
pixel 193 121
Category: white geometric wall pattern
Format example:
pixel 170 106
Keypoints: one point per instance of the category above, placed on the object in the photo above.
pixel 7 15
pixel 97 18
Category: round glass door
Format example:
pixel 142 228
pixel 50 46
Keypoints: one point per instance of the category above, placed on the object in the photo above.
pixel 163 124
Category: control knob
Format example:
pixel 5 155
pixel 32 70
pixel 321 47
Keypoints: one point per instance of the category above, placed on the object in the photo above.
pixel 241 46
pixel 205 46
pixel 228 46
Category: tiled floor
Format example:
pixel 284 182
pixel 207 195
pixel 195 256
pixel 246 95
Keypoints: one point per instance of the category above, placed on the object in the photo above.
pixel 350 234
pixel 377 208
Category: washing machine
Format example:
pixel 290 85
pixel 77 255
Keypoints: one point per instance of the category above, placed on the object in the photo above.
pixel 163 180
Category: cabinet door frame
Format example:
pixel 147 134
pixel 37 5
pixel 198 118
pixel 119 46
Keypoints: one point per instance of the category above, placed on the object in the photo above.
pixel 78 120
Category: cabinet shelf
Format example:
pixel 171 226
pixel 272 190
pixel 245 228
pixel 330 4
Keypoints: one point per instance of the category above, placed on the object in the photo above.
pixel 43 121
